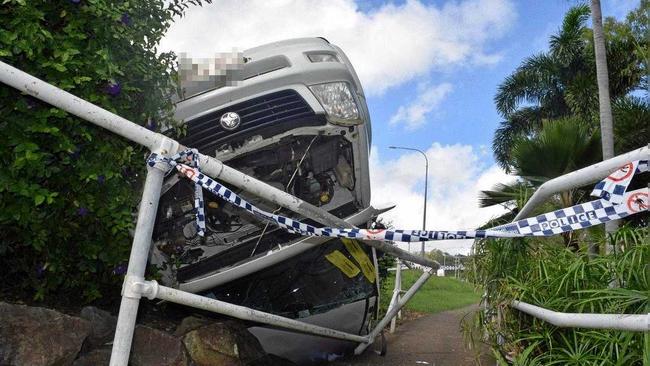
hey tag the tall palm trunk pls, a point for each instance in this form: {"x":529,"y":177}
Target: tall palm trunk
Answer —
{"x":606,"y":120}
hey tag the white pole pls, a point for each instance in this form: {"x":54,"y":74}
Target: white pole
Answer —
{"x":580,"y":178}
{"x":630,"y":322}
{"x":398,"y":283}
{"x":396,"y":293}
{"x":391,"y":314}
{"x":137,"y":266}
{"x":152,"y":290}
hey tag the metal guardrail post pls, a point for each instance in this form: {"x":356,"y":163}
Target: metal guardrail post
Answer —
{"x":629,"y":322}
{"x":152,"y":290}
{"x":136,"y":267}
{"x":391,"y":314}
{"x":580,"y":178}
{"x":396,"y":292}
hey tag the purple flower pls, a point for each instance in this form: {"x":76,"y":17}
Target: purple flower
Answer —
{"x":179,"y":249}
{"x":31,"y":103}
{"x":125,"y":19}
{"x":151,"y":125}
{"x":40,"y":270}
{"x":101,"y":179}
{"x":119,"y":270}
{"x":75,"y":1}
{"x":113,"y":89}
{"x":82,"y":211}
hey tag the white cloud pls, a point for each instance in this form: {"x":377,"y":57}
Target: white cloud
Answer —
{"x":388,"y":46}
{"x":456,"y":176}
{"x":429,"y":98}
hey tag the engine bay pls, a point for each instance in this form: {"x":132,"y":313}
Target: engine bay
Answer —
{"x":316,"y":168}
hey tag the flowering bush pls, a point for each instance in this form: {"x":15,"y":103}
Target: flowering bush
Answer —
{"x":68,"y":190}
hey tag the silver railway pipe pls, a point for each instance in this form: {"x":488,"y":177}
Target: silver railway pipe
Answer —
{"x":210,"y":166}
{"x":393,"y":311}
{"x":579,"y":178}
{"x":152,"y":290}
{"x":629,"y":322}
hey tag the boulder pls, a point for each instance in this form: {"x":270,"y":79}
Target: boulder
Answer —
{"x":102,"y":326}
{"x":37,"y":336}
{"x":97,"y":357}
{"x":223,"y":344}
{"x":190,"y":323}
{"x":152,"y":347}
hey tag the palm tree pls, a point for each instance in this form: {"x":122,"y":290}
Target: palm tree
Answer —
{"x":605,"y":106}
{"x":558,"y":148}
{"x":562,"y":82}
{"x":604,"y":102}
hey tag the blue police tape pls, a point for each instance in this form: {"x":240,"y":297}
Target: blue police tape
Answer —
{"x":615,"y":203}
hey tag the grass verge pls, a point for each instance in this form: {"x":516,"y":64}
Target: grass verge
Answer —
{"x":438,"y":293}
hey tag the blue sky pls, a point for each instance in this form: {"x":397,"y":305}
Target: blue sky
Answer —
{"x":467,"y":115}
{"x":430,"y":70}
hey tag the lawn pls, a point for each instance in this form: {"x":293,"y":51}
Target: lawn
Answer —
{"x":438,"y":293}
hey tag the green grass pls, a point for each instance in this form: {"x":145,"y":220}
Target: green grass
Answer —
{"x":438,"y":293}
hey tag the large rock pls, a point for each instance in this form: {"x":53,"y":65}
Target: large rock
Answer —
{"x":97,"y":357}
{"x":223,"y":344}
{"x":102,"y":326}
{"x":152,"y":347}
{"x":190,"y":323}
{"x":37,"y":336}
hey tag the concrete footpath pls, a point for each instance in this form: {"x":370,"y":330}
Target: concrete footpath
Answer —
{"x":434,"y":339}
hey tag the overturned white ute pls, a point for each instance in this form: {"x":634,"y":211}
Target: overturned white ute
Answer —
{"x":292,"y":114}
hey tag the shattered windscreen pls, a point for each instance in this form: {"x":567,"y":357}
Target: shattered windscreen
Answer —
{"x":301,"y":286}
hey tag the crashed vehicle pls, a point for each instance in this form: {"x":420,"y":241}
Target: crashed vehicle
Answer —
{"x":295,"y":118}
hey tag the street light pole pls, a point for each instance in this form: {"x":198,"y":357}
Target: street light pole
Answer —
{"x":426,"y":185}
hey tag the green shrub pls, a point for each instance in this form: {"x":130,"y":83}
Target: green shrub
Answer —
{"x":543,"y":272}
{"x":68,"y":190}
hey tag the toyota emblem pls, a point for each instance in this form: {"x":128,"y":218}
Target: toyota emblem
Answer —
{"x":230,"y":120}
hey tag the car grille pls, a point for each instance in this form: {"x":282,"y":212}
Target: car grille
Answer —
{"x":266,"y":115}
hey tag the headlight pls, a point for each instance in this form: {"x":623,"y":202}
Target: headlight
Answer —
{"x":338,"y":102}
{"x":322,"y":57}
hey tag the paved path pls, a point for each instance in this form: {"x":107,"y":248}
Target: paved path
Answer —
{"x":434,"y":339}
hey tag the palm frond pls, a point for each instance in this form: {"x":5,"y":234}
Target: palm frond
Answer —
{"x":532,"y":82}
{"x":523,"y":122}
{"x":505,"y":194}
{"x":560,"y":147}
{"x":632,"y":123}
{"x":569,"y":42}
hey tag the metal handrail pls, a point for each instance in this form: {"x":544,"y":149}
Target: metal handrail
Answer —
{"x":629,"y":322}
{"x":580,"y":178}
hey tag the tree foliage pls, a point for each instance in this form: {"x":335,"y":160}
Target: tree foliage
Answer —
{"x":550,"y":127}
{"x":542,"y":272}
{"x":550,"y":107}
{"x":561,"y":82}
{"x":68,"y":190}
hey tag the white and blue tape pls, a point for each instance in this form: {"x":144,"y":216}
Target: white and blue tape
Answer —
{"x":614,"y":203}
